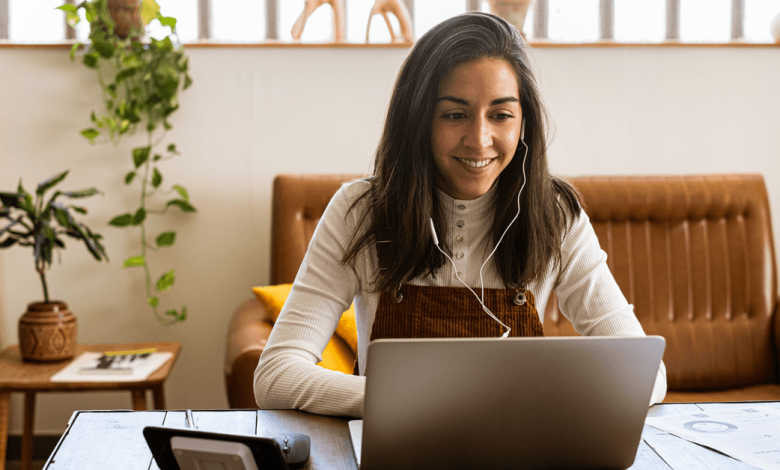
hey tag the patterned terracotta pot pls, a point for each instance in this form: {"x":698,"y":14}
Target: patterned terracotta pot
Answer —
{"x":126,"y":14}
{"x":47,"y":332}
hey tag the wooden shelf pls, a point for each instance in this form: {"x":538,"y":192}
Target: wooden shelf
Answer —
{"x":535,"y":44}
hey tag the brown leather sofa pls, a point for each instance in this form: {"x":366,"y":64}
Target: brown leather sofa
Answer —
{"x":693,"y":254}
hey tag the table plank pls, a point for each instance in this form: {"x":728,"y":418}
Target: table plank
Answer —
{"x":330,"y":444}
{"x":231,"y":422}
{"x":173,"y":419}
{"x":101,"y":440}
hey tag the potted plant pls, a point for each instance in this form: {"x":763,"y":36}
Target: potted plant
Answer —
{"x":47,"y":331}
{"x":140,"y":81}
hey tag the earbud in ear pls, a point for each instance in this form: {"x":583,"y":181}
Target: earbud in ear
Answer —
{"x":433,"y":232}
{"x":522,"y":130}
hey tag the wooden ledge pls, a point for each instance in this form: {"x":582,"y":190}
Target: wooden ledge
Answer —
{"x":328,"y":45}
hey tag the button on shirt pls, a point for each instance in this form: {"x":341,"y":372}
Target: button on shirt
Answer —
{"x":468,"y":236}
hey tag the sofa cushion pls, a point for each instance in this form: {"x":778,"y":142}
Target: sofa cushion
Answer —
{"x":339,"y":354}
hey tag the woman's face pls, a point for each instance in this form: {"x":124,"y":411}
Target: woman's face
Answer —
{"x":476,"y":126}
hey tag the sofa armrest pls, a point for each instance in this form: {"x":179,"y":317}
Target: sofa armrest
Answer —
{"x":249,"y":330}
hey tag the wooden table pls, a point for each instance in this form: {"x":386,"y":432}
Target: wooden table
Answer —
{"x":30,"y":378}
{"x":114,"y":439}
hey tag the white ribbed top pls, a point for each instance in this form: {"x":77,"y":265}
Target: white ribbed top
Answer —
{"x":287,"y":376}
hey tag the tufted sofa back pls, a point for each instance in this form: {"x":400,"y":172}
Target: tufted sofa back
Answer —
{"x":693,"y":254}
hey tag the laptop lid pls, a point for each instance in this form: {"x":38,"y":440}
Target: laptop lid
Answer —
{"x":577,"y":402}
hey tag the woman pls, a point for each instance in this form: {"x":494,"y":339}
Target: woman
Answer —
{"x":460,"y":232}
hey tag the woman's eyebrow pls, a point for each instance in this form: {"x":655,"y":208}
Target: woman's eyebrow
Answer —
{"x":506,"y":99}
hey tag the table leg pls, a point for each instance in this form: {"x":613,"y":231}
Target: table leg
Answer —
{"x":139,"y":399}
{"x":5,"y":399}
{"x":27,"y":437}
{"x":159,"y":397}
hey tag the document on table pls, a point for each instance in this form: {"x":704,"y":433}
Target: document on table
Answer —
{"x":71,"y":373}
{"x":750,"y":433}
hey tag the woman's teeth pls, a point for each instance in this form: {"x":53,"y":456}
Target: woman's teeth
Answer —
{"x":474,"y":163}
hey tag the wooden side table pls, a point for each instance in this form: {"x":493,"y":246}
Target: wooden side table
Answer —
{"x":30,"y":378}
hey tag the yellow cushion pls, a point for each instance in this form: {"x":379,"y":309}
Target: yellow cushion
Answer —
{"x":336,"y":355}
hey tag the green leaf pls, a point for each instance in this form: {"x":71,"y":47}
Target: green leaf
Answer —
{"x":157,"y":157}
{"x":91,"y":134}
{"x":129,"y":177}
{"x":183,"y":205}
{"x":73,"y":50}
{"x":7,"y":242}
{"x":153,"y":301}
{"x":61,"y":215}
{"x":183,"y":315}
{"x":132,"y":61}
{"x":81,"y":193}
{"x":10,"y":199}
{"x":68,"y":8}
{"x":105,"y":48}
{"x":91,"y":60}
{"x":121,"y":220}
{"x":112,"y":90}
{"x":167,"y":21}
{"x":156,"y":178}
{"x":126,"y":73}
{"x":134,"y":262}
{"x":183,"y":192}
{"x":172,"y":149}
{"x":167,"y":125}
{"x":50,"y":183}
{"x":166,"y":239}
{"x":172,"y":313}
{"x":149,"y":11}
{"x":166,"y":281}
{"x":187,"y":82}
{"x":141,"y":155}
{"x":79,"y":209}
{"x":139,"y":217}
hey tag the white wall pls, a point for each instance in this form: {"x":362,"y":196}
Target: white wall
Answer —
{"x":254,"y":113}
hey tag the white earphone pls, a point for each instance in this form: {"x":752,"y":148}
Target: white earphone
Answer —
{"x":481,"y":282}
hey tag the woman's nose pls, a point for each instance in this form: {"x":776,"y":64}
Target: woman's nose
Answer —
{"x":478,"y":134}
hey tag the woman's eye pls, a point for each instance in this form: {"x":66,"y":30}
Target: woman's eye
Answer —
{"x":454,"y":116}
{"x":502,"y":116}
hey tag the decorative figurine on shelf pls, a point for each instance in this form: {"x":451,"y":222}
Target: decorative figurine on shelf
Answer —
{"x":514,"y":11}
{"x":308,"y":9}
{"x":397,"y":8}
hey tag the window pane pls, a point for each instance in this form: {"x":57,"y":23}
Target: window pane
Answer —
{"x":36,"y":21}
{"x":429,"y":13}
{"x":357,"y":23}
{"x":238,"y":20}
{"x":319,"y":26}
{"x":640,"y":21}
{"x":186,"y":14}
{"x":758,"y":18}
{"x":573,"y":20}
{"x":705,"y":20}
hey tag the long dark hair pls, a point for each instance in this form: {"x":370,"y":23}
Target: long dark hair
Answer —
{"x":403,"y":193}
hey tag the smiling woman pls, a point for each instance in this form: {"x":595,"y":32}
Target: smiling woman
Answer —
{"x":461,"y":201}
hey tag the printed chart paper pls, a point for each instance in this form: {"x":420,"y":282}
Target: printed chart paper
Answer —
{"x":749,"y":433}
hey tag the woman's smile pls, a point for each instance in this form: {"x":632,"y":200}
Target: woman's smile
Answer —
{"x":481,"y":163}
{"x":476,"y":126}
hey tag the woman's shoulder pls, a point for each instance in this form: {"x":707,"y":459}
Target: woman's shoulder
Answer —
{"x":351,"y":198}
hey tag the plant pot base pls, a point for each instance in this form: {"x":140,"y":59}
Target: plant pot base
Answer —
{"x":47,"y":332}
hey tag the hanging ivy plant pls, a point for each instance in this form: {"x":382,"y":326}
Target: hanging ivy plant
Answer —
{"x":140,"y":81}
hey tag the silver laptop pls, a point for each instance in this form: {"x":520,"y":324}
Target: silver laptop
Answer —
{"x":513,"y":403}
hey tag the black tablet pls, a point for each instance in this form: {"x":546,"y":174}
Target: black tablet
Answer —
{"x":266,"y":452}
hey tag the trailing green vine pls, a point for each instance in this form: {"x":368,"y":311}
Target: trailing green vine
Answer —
{"x":140,"y":83}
